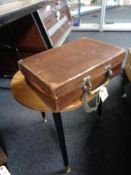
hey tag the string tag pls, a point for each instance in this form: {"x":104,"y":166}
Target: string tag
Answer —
{"x":103,"y":94}
{"x":4,"y":171}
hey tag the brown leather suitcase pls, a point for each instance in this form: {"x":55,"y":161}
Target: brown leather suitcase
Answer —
{"x":60,"y":73}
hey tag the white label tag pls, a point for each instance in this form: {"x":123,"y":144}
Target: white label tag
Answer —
{"x":103,"y":94}
{"x":4,"y":171}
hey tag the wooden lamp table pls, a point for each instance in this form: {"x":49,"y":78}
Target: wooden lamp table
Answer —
{"x":30,"y":97}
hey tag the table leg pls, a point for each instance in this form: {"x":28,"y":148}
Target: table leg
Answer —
{"x":99,"y":110}
{"x":61,"y":138}
{"x":125,"y":81}
{"x":44,"y":117}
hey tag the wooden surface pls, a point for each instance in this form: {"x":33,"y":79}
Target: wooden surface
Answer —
{"x":29,"y":97}
{"x":27,"y":37}
{"x":3,"y":157}
{"x":16,"y":9}
{"x":56,"y":29}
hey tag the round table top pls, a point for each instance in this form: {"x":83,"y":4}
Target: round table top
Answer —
{"x":29,"y":96}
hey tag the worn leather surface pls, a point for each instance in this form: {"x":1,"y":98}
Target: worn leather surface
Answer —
{"x":60,"y":71}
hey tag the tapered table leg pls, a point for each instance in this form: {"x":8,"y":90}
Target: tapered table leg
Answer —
{"x":125,"y":81}
{"x":61,"y":137}
{"x":44,"y":117}
{"x":99,"y":110}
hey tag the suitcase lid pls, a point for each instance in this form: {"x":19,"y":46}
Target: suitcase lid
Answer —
{"x":57,"y":68}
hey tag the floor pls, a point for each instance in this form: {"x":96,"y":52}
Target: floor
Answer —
{"x":94,"y":147}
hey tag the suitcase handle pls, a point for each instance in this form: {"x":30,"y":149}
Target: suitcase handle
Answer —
{"x":88,"y":92}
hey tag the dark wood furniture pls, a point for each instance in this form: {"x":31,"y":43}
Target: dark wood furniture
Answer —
{"x":31,"y":26}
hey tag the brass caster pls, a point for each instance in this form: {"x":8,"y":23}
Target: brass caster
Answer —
{"x":67,"y":169}
{"x":45,"y":120}
{"x":124,"y":95}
